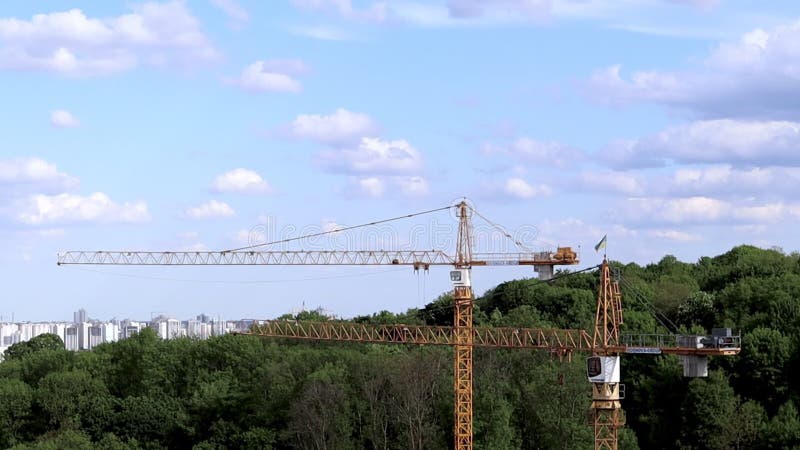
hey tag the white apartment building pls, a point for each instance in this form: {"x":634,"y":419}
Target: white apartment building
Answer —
{"x":167,"y":328}
{"x":88,"y":333}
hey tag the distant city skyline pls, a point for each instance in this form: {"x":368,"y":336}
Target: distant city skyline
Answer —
{"x":85,"y":333}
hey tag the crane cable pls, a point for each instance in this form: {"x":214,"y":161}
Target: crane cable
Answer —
{"x":338,"y":230}
{"x":501,"y":230}
{"x":535,"y":283}
{"x":669,"y":326}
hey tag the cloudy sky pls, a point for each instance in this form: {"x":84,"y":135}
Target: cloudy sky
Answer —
{"x":672,"y":126}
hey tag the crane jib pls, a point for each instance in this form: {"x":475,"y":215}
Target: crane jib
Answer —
{"x":417,"y":258}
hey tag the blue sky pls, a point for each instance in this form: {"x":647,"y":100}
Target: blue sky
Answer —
{"x":672,"y":126}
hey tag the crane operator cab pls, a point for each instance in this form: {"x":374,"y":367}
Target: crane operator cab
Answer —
{"x":603,"y":369}
{"x":460,"y":278}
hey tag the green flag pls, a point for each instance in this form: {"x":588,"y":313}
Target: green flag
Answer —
{"x":601,"y":244}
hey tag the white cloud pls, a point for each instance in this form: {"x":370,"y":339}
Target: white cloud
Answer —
{"x":289,"y":66}
{"x":729,"y":141}
{"x":43,"y":209}
{"x":324,"y":33}
{"x":674,"y":235}
{"x":758,"y":77}
{"x":195,"y":247}
{"x":209,"y":210}
{"x":519,"y":188}
{"x":373,"y":156}
{"x":188,"y":235}
{"x":62,"y":118}
{"x":33,"y":174}
{"x":615,"y":182}
{"x":45,"y":233}
{"x":380,"y":186}
{"x":242,"y":181}
{"x":253,"y":236}
{"x":578,"y":233}
{"x":233,"y":10}
{"x":375,"y":12}
{"x":681,"y":210}
{"x":376,"y":166}
{"x":703,"y":4}
{"x":679,"y":30}
{"x":548,"y":153}
{"x":532,"y":9}
{"x":481,"y":13}
{"x":266,"y":76}
{"x":372,"y":187}
{"x":189,"y":241}
{"x":724,"y":179}
{"x":341,"y":127}
{"x":330,"y":225}
{"x":718,"y":181}
{"x":460,"y":14}
{"x":489,"y":13}
{"x":702,"y":210}
{"x":412,"y":186}
{"x":70,"y":43}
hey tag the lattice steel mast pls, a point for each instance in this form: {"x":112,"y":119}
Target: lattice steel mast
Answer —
{"x":462,"y":328}
{"x":606,"y":416}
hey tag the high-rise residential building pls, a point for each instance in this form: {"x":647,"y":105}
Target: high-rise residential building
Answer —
{"x":110,"y":332}
{"x":71,"y":340}
{"x":198,"y":329}
{"x":79,"y":316}
{"x":9,"y":335}
{"x":94,"y":336}
{"x":128,"y":328}
{"x":167,"y":328}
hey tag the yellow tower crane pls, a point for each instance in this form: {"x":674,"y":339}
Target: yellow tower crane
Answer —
{"x":462,"y":262}
{"x":605,"y":344}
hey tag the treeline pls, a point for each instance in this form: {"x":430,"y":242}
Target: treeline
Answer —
{"x":251,"y":393}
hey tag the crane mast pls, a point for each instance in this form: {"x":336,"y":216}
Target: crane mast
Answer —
{"x":603,"y":368}
{"x":462,"y":328}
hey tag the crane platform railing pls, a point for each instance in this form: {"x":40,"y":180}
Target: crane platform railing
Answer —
{"x":681,"y":344}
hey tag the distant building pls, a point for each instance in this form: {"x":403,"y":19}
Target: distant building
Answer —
{"x":94,"y":336}
{"x":167,"y":328}
{"x":79,"y":316}
{"x":9,"y":335}
{"x":71,"y":340}
{"x":86,"y":334}
{"x":110,"y":332}
{"x":197,"y":329}
{"x":128,"y":328}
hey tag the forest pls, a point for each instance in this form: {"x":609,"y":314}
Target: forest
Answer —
{"x":252,"y":393}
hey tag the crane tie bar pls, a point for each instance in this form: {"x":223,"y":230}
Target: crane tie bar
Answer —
{"x":337,"y":230}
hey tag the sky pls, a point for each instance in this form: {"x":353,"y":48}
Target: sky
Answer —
{"x":671,"y":126}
